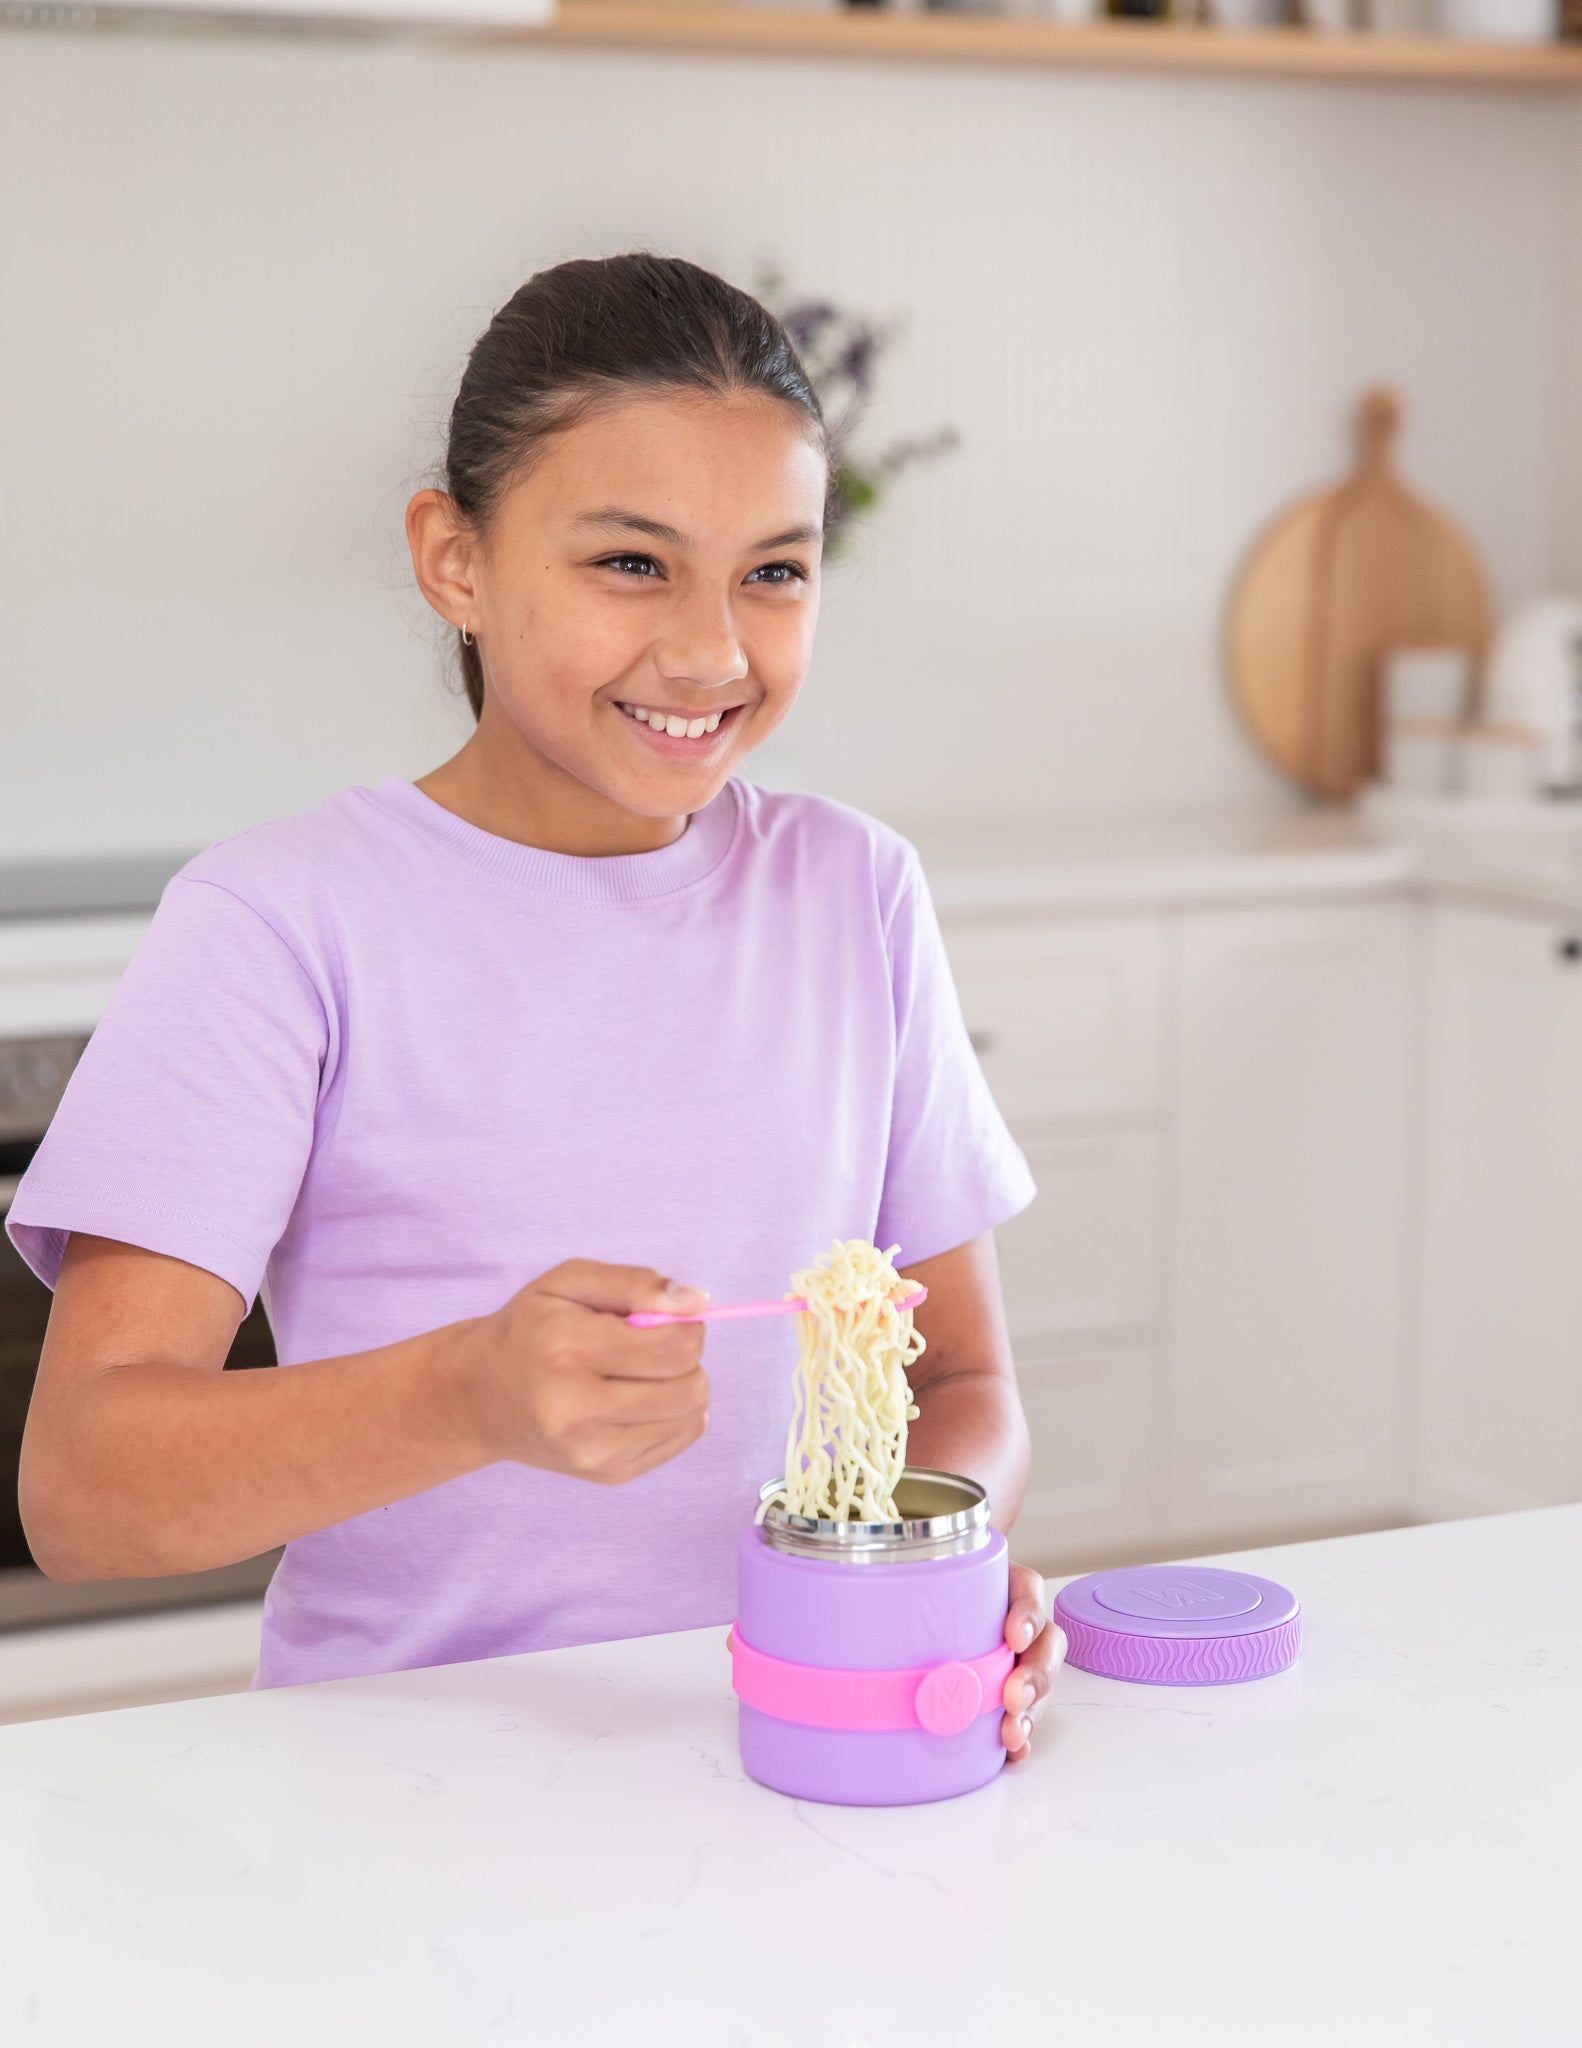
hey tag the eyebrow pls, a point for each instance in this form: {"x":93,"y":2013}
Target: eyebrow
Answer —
{"x":794,"y":536}
{"x":634,"y":522}
{"x":655,"y":529}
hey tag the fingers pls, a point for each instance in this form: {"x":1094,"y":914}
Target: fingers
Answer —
{"x":558,"y":1381}
{"x":590,"y":1422}
{"x":626,"y":1454}
{"x":1029,"y":1608}
{"x":1041,"y":1647}
{"x":622,"y":1353}
{"x":659,"y":1450}
{"x":628,"y":1403}
{"x":1025,"y":1691}
{"x":620,"y":1290}
{"x":1029,"y":1682}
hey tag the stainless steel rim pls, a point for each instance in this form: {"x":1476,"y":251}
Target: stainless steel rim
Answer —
{"x":949,"y":1515}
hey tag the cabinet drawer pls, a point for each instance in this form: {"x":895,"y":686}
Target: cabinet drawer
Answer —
{"x":1288,"y":1251}
{"x":1066,"y":1016}
{"x":1084,"y":1257}
{"x":1500,"y":1393}
{"x":1093,"y":1417}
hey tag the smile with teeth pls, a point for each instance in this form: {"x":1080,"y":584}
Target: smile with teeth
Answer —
{"x":671,"y":722}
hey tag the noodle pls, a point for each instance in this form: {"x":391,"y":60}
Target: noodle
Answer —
{"x":847,"y":1445}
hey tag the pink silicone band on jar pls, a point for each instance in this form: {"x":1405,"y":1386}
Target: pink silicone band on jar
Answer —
{"x":942,"y":1699}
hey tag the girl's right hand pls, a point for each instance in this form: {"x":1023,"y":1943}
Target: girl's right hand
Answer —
{"x":558,"y":1378}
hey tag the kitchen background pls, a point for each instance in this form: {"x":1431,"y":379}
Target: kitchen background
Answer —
{"x":238,"y":277}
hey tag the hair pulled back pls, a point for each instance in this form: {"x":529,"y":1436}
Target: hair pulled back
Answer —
{"x":590,"y":330}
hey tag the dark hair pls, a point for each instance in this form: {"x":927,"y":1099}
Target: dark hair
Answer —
{"x":588,"y":330}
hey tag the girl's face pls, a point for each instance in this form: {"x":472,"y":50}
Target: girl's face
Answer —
{"x":643,"y":599}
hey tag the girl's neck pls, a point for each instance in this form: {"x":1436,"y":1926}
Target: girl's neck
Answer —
{"x":516,"y":794}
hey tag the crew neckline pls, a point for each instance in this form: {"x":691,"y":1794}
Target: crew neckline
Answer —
{"x":575,"y":877}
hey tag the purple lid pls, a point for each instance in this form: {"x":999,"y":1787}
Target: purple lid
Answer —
{"x":1179,"y":1624}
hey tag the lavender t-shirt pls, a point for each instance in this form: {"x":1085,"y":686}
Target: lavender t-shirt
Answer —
{"x":386,"y":1067}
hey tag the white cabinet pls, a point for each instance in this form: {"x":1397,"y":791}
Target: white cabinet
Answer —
{"x":1282,"y":1154}
{"x":1308,"y":1245}
{"x":1066,"y":1015}
{"x":1500,"y":1352}
{"x":1084,"y":1259}
{"x":1094,"y":1419}
{"x":1069,"y":1017}
{"x":1287,"y":1296}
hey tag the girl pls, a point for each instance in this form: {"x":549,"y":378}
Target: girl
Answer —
{"x":580,"y":1003}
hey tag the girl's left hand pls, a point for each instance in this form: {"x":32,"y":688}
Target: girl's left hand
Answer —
{"x":1040,"y":1646}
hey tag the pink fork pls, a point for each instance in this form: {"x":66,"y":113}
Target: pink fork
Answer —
{"x":733,"y":1311}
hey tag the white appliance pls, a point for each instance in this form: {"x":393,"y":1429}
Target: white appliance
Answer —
{"x":67,"y":930}
{"x":1499,"y":21}
{"x":1534,"y":680}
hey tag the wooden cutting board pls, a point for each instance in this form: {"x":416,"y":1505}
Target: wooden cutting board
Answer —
{"x":1336,"y":582}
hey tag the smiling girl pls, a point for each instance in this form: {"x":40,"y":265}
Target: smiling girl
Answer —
{"x":580,"y":1004}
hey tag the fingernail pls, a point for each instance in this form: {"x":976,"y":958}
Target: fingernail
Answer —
{"x":1028,"y":1632}
{"x":687,"y":1297}
{"x":1025,"y":1723}
{"x":1029,"y":1692}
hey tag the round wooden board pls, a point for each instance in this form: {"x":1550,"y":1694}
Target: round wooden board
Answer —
{"x":1332,"y":585}
{"x":1270,"y":631}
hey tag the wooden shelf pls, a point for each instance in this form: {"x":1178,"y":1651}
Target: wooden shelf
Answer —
{"x":1020,"y":40}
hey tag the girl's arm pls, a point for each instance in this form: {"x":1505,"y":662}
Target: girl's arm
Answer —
{"x":142,"y":1457}
{"x":970,"y":1418}
{"x":971,"y":1422}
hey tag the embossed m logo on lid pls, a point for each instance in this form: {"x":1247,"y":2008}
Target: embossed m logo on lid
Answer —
{"x":1166,"y":1593}
{"x":1180,"y":1593}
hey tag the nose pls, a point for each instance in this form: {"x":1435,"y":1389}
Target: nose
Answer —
{"x":700,"y":646}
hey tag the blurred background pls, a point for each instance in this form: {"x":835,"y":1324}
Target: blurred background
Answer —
{"x":1257,"y":845}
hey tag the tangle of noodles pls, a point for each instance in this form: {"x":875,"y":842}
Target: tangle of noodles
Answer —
{"x":847,"y":1445}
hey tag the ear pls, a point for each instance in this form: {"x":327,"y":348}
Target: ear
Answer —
{"x":442,"y":550}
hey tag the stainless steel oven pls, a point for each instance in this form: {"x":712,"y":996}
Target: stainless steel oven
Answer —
{"x":33,"y":1074}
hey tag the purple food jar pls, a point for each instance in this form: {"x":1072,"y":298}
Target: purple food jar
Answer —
{"x":869,"y":1658}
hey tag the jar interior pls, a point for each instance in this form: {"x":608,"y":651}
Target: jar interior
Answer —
{"x":937,"y":1514}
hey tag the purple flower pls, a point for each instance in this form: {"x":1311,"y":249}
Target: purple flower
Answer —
{"x":841,"y":353}
{"x":807,"y":320}
{"x":858,"y":358}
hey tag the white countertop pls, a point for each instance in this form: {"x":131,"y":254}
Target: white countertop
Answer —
{"x":57,"y":970}
{"x":1525,"y":856}
{"x":1380,"y":1846}
{"x":1153,"y":860}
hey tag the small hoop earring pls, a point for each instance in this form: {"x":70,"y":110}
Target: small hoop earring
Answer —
{"x":467,"y":639}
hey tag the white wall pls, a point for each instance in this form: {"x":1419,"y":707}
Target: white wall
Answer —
{"x":238,"y":277}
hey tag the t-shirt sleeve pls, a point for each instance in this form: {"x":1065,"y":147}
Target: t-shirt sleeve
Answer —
{"x":954,"y":1170}
{"x":187,"y":1125}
